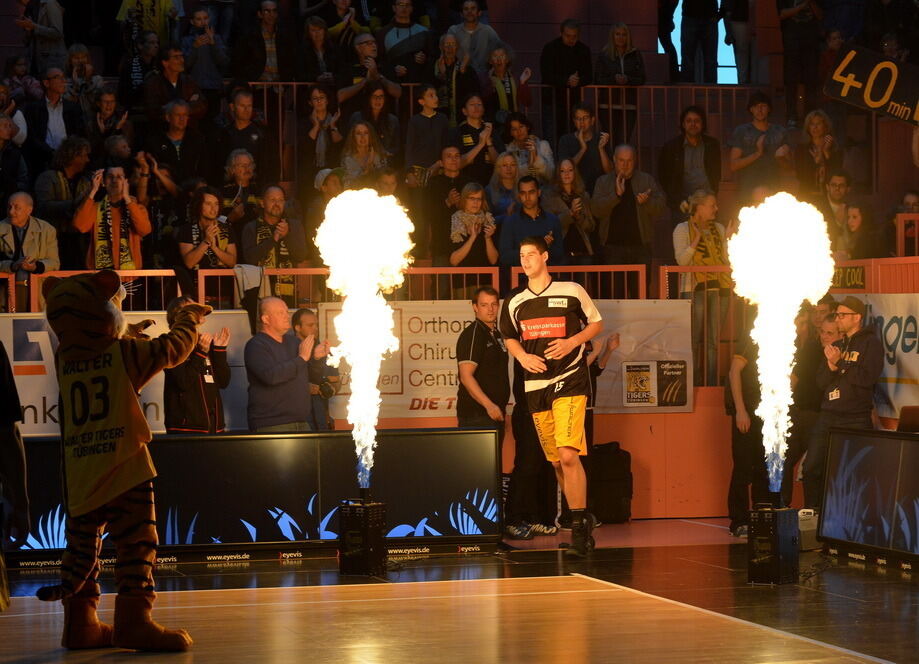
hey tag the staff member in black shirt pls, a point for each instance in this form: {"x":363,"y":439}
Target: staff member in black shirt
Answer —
{"x":482,"y":358}
{"x":846,"y":379}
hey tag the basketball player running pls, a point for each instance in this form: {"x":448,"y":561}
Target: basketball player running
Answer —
{"x":546,"y":325}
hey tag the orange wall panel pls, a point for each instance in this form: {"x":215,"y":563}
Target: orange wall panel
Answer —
{"x":681,"y":462}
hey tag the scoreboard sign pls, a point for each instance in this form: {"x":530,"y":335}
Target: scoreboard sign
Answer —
{"x":866,"y":79}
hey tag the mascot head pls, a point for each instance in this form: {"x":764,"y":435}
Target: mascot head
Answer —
{"x":84,"y":311}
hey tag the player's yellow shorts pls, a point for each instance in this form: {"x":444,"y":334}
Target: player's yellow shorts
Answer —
{"x":563,"y":426}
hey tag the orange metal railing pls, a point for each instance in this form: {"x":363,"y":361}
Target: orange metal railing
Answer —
{"x":150,"y":290}
{"x":9,"y":290}
{"x":600,"y":281}
{"x":907,"y":234}
{"x":421,"y":283}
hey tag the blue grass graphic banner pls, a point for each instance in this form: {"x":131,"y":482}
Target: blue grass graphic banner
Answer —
{"x":246,"y":489}
{"x":872,"y":490}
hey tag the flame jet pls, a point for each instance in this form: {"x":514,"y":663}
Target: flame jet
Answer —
{"x":365,"y":242}
{"x":780,"y":256}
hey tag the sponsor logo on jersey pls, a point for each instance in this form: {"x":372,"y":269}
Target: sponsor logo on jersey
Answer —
{"x":541,"y":328}
{"x":555,"y":302}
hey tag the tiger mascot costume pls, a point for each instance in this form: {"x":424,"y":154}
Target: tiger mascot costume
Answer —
{"x":107,"y":468}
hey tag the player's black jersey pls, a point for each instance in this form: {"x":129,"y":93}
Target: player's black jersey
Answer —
{"x":535,"y":319}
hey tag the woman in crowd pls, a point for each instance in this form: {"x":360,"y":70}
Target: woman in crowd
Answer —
{"x":106,"y":119}
{"x":83,"y":85}
{"x":502,"y":92}
{"x":861,"y":239}
{"x":320,"y":138}
{"x":239,"y":198}
{"x":362,"y":154}
{"x":818,"y":155}
{"x":207,"y":242}
{"x":472,"y":230}
{"x":701,"y":241}
{"x":376,"y":114}
{"x":502,"y":189}
{"x":534,"y":156}
{"x":455,"y":79}
{"x":570,"y":202}
{"x":620,"y":63}
{"x":191,"y":391}
{"x":23,"y":87}
{"x":320,"y":58}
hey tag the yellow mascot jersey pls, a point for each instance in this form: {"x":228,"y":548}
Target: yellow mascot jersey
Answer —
{"x":104,"y":431}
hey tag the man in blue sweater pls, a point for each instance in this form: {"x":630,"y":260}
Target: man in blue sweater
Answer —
{"x":530,"y":220}
{"x":280,"y":368}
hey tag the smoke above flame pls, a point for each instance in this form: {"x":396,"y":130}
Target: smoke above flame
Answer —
{"x":780,"y":256}
{"x":365,"y":242}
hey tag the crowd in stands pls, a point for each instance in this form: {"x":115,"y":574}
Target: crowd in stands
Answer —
{"x":193,"y":158}
{"x":192,"y":152}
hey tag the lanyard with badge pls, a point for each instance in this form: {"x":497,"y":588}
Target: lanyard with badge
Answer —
{"x":834,"y":394}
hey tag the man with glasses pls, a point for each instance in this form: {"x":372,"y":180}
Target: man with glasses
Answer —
{"x":587,"y":147}
{"x":169,"y":84}
{"x":354,"y":75}
{"x":835,"y":204}
{"x":49,"y":122}
{"x":846,"y":379}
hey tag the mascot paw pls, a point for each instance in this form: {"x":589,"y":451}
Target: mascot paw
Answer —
{"x":136,"y":630}
{"x":200,"y":310}
{"x":137,"y":330}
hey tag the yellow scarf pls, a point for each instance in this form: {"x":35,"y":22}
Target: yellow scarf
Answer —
{"x":709,"y":251}
{"x":508,"y":106}
{"x":107,"y":235}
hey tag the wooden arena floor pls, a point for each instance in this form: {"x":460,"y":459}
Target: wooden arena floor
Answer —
{"x":551,"y":619}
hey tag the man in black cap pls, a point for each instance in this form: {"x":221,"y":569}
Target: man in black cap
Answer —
{"x":846,"y":379}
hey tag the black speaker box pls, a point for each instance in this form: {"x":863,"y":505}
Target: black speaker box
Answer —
{"x":772,"y":545}
{"x":361,"y":538}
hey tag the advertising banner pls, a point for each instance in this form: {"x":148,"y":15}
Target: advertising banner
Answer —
{"x":896,"y":319}
{"x":418,"y":380}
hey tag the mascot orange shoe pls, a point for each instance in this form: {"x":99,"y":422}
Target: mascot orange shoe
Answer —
{"x":108,"y":471}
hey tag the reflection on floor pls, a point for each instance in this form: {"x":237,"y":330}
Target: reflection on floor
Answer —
{"x":491,"y":620}
{"x":864,"y":610}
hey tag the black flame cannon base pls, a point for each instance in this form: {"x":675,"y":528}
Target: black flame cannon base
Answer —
{"x":362,"y":537}
{"x":772,"y":545}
